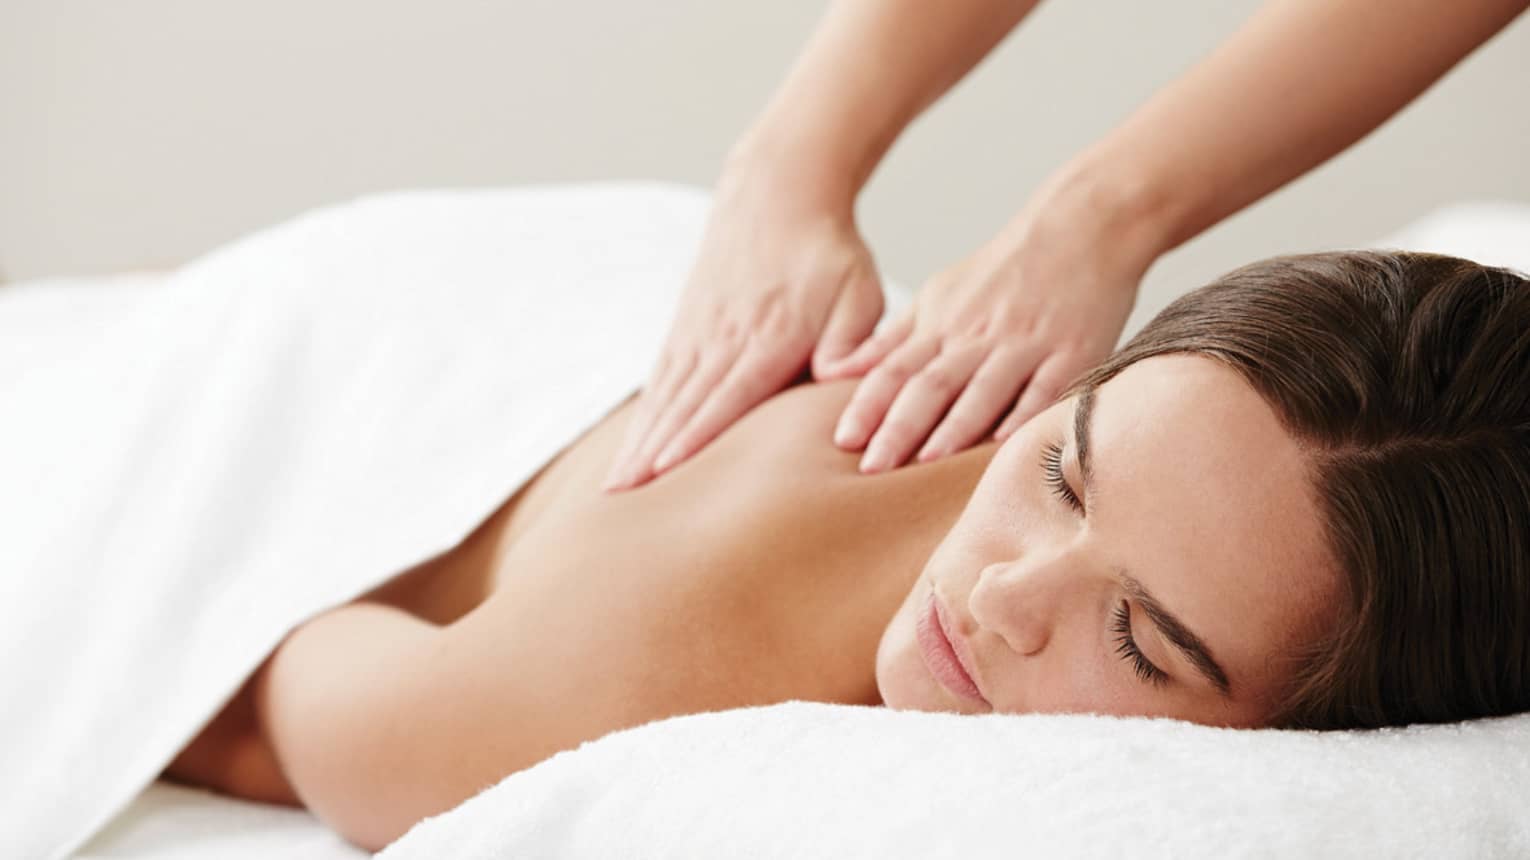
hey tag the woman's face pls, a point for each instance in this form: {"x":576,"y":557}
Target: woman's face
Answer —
{"x":1192,"y":563}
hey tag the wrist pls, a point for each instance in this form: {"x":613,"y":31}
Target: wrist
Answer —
{"x":1120,"y":216}
{"x":788,"y":174}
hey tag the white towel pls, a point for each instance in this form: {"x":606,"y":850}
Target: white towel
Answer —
{"x":806,"y":781}
{"x":279,"y":427}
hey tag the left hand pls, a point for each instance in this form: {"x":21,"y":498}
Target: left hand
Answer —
{"x":1007,"y":328}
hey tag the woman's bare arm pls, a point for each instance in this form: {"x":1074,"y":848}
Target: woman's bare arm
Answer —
{"x":341,"y":705}
{"x":869,"y":69}
{"x":1297,"y":84}
{"x":380,"y":719}
{"x":1047,"y":297}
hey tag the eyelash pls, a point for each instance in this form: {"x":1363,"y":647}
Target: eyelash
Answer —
{"x":1051,"y":466}
{"x":1126,"y":646}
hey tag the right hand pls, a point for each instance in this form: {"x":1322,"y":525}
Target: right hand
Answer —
{"x":997,"y":336}
{"x":781,"y":279}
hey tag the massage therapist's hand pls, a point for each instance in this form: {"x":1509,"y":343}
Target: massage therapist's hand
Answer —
{"x":782,"y":278}
{"x":999,"y":335}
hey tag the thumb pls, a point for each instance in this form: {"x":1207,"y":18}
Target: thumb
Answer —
{"x":852,"y":319}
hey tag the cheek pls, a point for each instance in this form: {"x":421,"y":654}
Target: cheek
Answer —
{"x":1012,"y":500}
{"x":1073,"y":674}
{"x":1094,"y":683}
{"x":902,"y":680}
{"x":993,"y":527}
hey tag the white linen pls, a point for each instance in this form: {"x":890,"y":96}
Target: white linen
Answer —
{"x":275,"y":429}
{"x":173,"y":822}
{"x":807,"y":780}
{"x":165,"y":821}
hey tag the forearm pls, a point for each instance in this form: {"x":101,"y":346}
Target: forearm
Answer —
{"x":869,"y":69}
{"x":1300,"y":82}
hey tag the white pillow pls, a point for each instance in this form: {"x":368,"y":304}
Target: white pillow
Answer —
{"x":807,"y":780}
{"x":1494,"y":233}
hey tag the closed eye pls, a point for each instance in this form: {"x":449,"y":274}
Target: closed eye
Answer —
{"x":1052,"y":472}
{"x":1126,"y":647}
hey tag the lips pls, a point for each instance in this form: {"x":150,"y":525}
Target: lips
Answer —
{"x":940,"y":655}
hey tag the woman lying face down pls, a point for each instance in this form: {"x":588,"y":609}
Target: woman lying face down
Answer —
{"x":1291,"y":500}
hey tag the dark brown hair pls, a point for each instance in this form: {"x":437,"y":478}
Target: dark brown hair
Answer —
{"x":1407,"y":378}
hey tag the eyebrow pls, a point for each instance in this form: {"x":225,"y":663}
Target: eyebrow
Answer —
{"x":1171,"y":627}
{"x":1083,"y":415}
{"x":1179,"y":635}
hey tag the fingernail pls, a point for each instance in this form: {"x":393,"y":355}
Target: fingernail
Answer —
{"x":666,"y":458}
{"x":845,"y":433}
{"x":927,"y":454}
{"x":874,"y":461}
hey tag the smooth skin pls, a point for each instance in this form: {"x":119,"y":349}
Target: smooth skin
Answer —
{"x":1196,"y":502}
{"x":784,"y":281}
{"x":767,"y":569}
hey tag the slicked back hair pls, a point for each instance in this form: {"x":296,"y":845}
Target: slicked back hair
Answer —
{"x":1407,"y":379}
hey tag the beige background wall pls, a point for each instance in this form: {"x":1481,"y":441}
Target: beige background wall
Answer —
{"x":140,"y":134}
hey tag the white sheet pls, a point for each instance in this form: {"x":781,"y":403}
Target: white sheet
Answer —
{"x":165,"y":821}
{"x":173,"y":822}
{"x":275,"y":429}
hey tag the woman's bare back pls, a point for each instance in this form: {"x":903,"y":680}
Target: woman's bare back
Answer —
{"x":763,"y":570}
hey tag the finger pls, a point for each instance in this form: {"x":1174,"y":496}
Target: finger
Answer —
{"x":875,"y":394}
{"x":851,"y":321}
{"x":762,"y":370}
{"x":1051,"y":377}
{"x":992,"y":388}
{"x":872,"y":351}
{"x":918,"y":407}
{"x":668,"y":374}
{"x":709,"y":371}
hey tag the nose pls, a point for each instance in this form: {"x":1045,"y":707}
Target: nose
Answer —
{"x":1021,"y":600}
